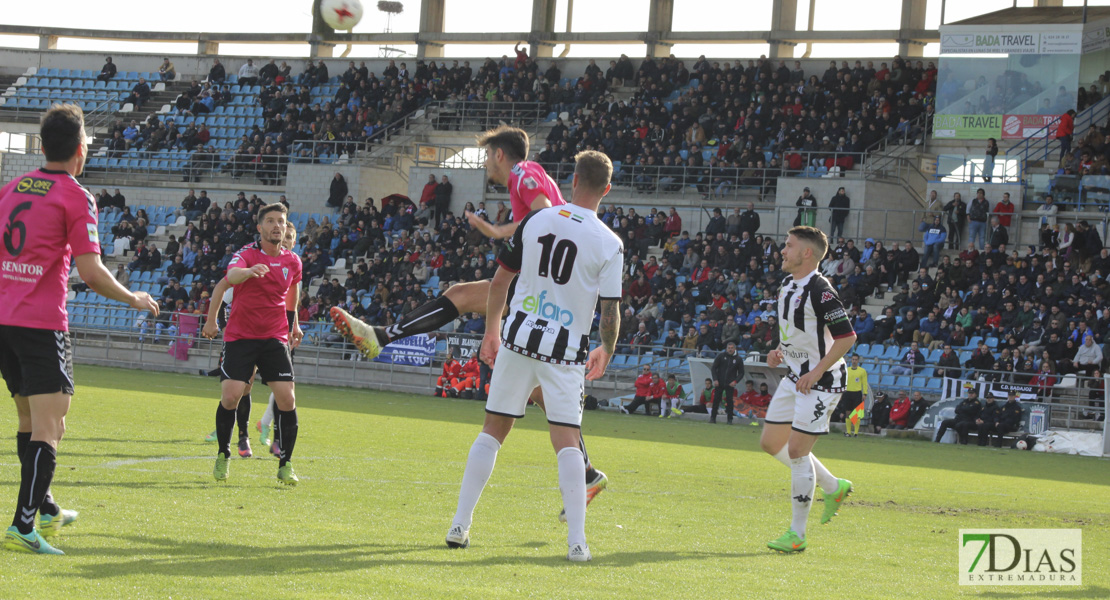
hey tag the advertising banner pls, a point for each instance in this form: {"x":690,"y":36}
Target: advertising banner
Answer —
{"x":967,"y":127}
{"x":464,"y":346}
{"x":955,"y":40}
{"x":1019,"y":127}
{"x":417,"y":350}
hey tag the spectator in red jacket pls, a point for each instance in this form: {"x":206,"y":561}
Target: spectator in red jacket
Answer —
{"x":450,"y":376}
{"x":1064,"y":128}
{"x":1004,"y":209}
{"x":643,"y":393}
{"x":427,"y":198}
{"x":900,"y":412}
{"x":701,"y":273}
{"x":673,"y":226}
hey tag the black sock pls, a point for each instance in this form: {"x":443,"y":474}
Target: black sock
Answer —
{"x":591,"y":472}
{"x":38,"y":472}
{"x":48,"y":506}
{"x":427,"y":318}
{"x":225,"y":422}
{"x":243,"y":416}
{"x":285,"y":426}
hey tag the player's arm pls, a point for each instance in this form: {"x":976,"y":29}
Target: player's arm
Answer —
{"x":96,"y":276}
{"x":211,"y":325}
{"x":495,"y":307}
{"x":237,"y":275}
{"x":500,"y":232}
{"x":292,"y":298}
{"x":830,"y":313}
{"x":608,"y":328}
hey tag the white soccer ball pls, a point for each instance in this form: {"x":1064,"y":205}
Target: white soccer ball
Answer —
{"x":341,"y":15}
{"x":1021,"y":445}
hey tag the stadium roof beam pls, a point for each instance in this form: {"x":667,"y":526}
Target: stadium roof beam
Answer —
{"x":784,"y":19}
{"x":208,"y":43}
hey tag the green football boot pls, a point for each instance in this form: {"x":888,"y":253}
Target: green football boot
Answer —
{"x":50,"y":526}
{"x":32,"y":543}
{"x":286,"y":475}
{"x":222,"y":467}
{"x":210,"y":437}
{"x":788,"y":542}
{"x":835,"y":499}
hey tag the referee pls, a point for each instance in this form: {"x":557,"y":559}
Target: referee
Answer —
{"x":854,"y":391}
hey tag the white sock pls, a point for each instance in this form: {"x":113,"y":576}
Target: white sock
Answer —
{"x":783,"y":456}
{"x":479,"y":466}
{"x":268,"y":416}
{"x":825,"y":479}
{"x":801,"y":492}
{"x":674,"y":403}
{"x":572,"y":478}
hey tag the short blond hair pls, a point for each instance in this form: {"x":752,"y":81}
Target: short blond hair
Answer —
{"x":594,"y":169}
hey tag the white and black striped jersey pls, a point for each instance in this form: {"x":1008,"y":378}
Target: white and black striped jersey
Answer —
{"x":810,"y":318}
{"x":565,"y":258}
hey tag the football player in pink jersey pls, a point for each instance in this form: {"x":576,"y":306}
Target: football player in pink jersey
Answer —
{"x":530,"y":189}
{"x":50,"y":219}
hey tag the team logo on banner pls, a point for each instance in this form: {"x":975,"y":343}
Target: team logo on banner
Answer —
{"x":1038,"y":419}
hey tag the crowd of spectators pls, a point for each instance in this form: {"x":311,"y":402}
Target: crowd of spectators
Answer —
{"x":739,"y":125}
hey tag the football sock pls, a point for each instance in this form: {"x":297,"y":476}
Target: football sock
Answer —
{"x":591,"y":472}
{"x":48,"y":506}
{"x":825,"y":479}
{"x":571,"y":474}
{"x":479,"y":466}
{"x":37,"y":473}
{"x":783,"y":456}
{"x":286,"y":429}
{"x":243,"y":416}
{"x":225,"y":422}
{"x":427,"y":318}
{"x":801,"y":492}
{"x":268,"y":416}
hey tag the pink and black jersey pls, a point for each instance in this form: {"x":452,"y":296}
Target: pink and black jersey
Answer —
{"x":258,"y":312}
{"x":526,"y":181}
{"x":46,"y":218}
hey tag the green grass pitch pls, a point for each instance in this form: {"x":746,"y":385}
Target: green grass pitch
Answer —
{"x":686,"y":515}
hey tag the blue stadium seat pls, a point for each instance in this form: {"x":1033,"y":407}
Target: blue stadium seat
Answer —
{"x":893,"y":353}
{"x":903,"y":382}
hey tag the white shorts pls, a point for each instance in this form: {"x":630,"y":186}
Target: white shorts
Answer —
{"x":515,"y":376}
{"x":807,"y":413}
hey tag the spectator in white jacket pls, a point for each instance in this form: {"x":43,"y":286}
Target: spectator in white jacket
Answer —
{"x":1088,"y":358}
{"x":1046,"y":214}
{"x":248,"y":73}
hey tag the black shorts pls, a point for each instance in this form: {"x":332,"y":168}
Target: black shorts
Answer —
{"x":271,"y":357}
{"x":36,"y":361}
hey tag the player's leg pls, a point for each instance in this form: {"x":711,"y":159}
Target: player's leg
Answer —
{"x":510,"y":384}
{"x":243,"y":421}
{"x":38,"y":463}
{"x":275,"y":365}
{"x":564,"y":385}
{"x":264,"y":423}
{"x":458,"y":299}
{"x":595,"y":479}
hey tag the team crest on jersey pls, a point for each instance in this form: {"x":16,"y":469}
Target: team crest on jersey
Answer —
{"x":285,"y":272}
{"x":827,"y":297}
{"x":530,"y":183}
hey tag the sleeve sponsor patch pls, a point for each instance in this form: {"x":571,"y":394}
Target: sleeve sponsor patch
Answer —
{"x":94,"y":235}
{"x":530,"y":183}
{"x":827,"y":297}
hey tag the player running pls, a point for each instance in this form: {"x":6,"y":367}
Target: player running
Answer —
{"x":267,"y":279}
{"x":814,"y":336}
{"x":49,"y":219}
{"x":530,"y":189}
{"x":565,"y":256}
{"x":226,"y":293}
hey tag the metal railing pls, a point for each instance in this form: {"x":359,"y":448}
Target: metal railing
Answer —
{"x":1038,"y":146}
{"x":460,"y":115}
{"x":968,"y":168}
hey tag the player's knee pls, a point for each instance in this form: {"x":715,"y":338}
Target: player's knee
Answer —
{"x":770,"y":446}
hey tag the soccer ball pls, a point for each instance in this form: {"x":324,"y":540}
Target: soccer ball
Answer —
{"x":1021,"y":445}
{"x":342,"y":15}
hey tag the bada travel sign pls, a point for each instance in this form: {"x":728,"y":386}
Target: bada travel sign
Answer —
{"x":967,"y":127}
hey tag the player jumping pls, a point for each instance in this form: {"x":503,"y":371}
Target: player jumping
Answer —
{"x":530,"y":189}
{"x":566,"y":255}
{"x":267,"y":279}
{"x":49,"y":219}
{"x":814,"y":336}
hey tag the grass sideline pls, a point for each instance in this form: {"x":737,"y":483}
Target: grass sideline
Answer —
{"x":689,"y":508}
